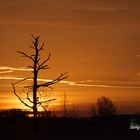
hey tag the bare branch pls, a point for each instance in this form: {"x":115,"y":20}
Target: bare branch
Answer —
{"x":42,"y":47}
{"x":33,"y":55}
{"x":43,"y":107}
{"x":35,"y":38}
{"x":31,"y":67}
{"x":43,"y":67}
{"x":35,"y":42}
{"x":31,"y":47}
{"x":39,"y":59}
{"x":44,"y":62}
{"x":29,"y":87}
{"x":22,"y":80}
{"x":20,"y":98}
{"x":29,"y":97}
{"x":25,"y":55}
{"x":32,"y":36}
{"x":40,"y":103}
{"x":60,"y":78}
{"x":50,"y":100}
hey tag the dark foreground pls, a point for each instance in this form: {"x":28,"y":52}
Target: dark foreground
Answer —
{"x":68,"y":129}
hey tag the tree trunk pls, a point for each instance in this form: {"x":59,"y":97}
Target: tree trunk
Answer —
{"x":35,"y":96}
{"x":35,"y":111}
{"x":35,"y":104}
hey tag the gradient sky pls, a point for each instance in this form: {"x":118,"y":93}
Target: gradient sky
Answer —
{"x":96,"y":42}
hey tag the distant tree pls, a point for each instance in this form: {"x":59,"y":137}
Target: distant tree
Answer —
{"x":64,"y":105}
{"x":103,"y":107}
{"x":36,"y":66}
{"x":68,"y":110}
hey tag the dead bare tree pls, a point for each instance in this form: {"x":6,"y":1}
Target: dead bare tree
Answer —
{"x":37,"y":66}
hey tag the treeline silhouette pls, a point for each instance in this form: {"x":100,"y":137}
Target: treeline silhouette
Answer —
{"x":13,"y":113}
{"x":20,"y":114}
{"x":97,"y":127}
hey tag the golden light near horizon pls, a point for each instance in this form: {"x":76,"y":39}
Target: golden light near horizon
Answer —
{"x":96,"y":42}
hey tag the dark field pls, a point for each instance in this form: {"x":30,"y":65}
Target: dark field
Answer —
{"x":68,"y":129}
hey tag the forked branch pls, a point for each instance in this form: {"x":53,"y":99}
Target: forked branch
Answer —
{"x":26,"y":55}
{"x":43,"y":64}
{"x":20,"y":97}
{"x":28,"y":97}
{"x":60,"y":78}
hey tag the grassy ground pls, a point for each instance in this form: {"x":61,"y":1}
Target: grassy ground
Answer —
{"x":68,"y":129}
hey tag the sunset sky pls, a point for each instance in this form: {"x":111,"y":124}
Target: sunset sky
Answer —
{"x":96,"y":41}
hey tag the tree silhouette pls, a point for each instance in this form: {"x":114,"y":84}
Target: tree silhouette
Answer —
{"x":37,"y":66}
{"x":103,"y":107}
{"x":64,"y":105}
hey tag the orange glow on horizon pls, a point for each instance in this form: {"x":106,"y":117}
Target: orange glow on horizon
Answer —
{"x":96,"y":42}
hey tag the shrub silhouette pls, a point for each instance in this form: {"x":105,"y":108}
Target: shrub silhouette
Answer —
{"x":103,"y":107}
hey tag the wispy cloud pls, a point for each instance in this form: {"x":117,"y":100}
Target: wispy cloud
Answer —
{"x":138,"y":55}
{"x":91,"y":5}
{"x":12,"y":69}
{"x":61,"y":24}
{"x":108,"y":86}
{"x":82,"y":84}
{"x":40,"y":80}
